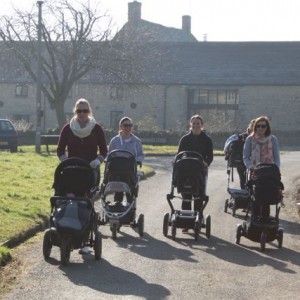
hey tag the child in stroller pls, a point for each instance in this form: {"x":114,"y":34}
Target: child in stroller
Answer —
{"x":73,"y":220}
{"x":189,"y":178}
{"x":266,"y":190}
{"x":120,"y":177}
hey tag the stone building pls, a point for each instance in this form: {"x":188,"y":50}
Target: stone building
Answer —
{"x":225,"y":82}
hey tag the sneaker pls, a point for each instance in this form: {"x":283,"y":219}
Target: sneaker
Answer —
{"x":185,"y":230}
{"x":84,"y":250}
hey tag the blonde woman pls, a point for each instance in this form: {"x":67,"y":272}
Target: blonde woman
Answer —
{"x":83,"y":138}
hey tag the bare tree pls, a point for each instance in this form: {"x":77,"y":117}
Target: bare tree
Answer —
{"x":75,"y":40}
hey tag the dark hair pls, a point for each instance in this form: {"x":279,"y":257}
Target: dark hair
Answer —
{"x":264,"y":119}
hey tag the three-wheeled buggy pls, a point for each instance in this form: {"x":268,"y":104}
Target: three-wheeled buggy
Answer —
{"x":266,"y":192}
{"x":73,"y":220}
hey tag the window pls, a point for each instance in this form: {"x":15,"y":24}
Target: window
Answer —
{"x":213,"y":97}
{"x":21,"y":90}
{"x":218,"y":104}
{"x":115,"y":117}
{"x":116,"y":92}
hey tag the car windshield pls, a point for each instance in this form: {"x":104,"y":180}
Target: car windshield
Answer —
{"x":6,"y":126}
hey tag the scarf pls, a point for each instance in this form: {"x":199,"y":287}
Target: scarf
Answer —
{"x":262,"y":150}
{"x":79,"y":131}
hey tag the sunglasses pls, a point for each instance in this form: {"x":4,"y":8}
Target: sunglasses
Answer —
{"x":127,"y":125}
{"x":261,"y":126}
{"x":79,"y":111}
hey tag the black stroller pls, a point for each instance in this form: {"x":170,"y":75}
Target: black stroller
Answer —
{"x":189,"y":178}
{"x":266,"y":191}
{"x":73,"y":220}
{"x":121,"y":178}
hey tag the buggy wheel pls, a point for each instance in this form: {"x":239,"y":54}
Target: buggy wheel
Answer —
{"x":98,"y":245}
{"x":263,"y":240}
{"x":113,"y":229}
{"x":238,"y":234}
{"x":166,"y":224}
{"x":233,"y":209}
{"x":226,"y":205}
{"x":280,"y":237}
{"x":65,"y":251}
{"x":197,"y":230}
{"x":208,"y":226}
{"x":173,"y":232}
{"x":96,"y":222}
{"x":140,"y":224}
{"x":47,"y":246}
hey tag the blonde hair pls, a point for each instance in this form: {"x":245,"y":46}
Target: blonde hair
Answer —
{"x":85,"y":102}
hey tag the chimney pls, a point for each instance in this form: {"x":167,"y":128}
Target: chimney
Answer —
{"x":186,"y":24}
{"x":134,"y":11}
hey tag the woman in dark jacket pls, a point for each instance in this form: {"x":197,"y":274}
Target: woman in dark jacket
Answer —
{"x":198,"y":141}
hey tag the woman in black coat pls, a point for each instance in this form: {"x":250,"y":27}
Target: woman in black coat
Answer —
{"x":198,"y":141}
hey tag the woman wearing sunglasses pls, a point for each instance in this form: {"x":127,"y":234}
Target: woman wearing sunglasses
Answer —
{"x":261,"y":146}
{"x":126,"y":140}
{"x":83,"y":138}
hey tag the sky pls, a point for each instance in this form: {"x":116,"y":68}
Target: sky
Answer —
{"x":218,"y":20}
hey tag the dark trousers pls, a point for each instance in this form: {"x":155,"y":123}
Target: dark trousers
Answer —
{"x":119,"y":197}
{"x":187,"y":205}
{"x":260,"y":210}
{"x":242,"y":175}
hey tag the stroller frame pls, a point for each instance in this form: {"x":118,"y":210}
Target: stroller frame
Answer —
{"x":190,"y":219}
{"x":69,"y":235}
{"x":118,"y":214}
{"x":239,"y":198}
{"x":259,"y":229}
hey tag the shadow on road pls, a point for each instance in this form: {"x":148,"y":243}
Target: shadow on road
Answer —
{"x":153,"y":248}
{"x":250,"y":256}
{"x":104,"y":277}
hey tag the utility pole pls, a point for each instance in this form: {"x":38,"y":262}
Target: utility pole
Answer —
{"x":38,"y":83}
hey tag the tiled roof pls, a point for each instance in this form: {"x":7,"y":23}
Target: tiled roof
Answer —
{"x":195,"y":63}
{"x":219,"y":63}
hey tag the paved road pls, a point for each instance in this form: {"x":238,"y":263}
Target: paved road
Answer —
{"x":157,"y":267}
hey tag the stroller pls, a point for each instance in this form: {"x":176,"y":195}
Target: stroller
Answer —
{"x":266,"y":190}
{"x":121,"y":178}
{"x":239,"y":198}
{"x":189,"y":178}
{"x":73,"y":220}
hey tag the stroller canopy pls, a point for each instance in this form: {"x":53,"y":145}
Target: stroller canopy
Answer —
{"x":75,"y":176}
